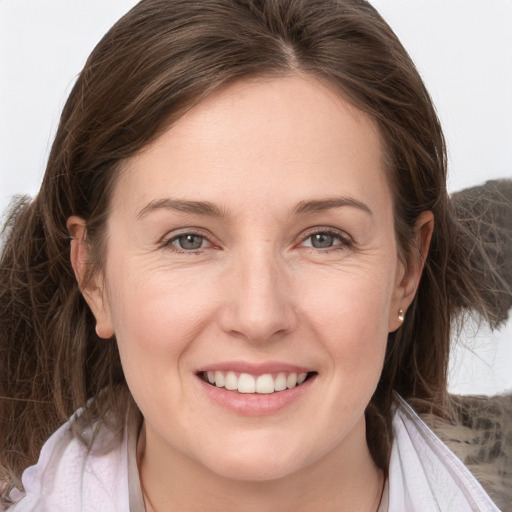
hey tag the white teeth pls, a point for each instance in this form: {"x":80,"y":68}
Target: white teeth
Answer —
{"x":265,"y":384}
{"x":247,"y":383}
{"x":280,"y":383}
{"x":231,"y":382}
{"x":291,"y":381}
{"x":219,"y":379}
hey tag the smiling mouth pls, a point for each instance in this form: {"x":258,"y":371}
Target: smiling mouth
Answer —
{"x":265,"y":384}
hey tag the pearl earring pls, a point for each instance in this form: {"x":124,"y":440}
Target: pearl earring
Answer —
{"x":401,"y":315}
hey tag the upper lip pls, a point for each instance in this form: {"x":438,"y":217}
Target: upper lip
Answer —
{"x":254,"y":368}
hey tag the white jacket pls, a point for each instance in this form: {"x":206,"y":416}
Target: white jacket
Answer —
{"x":424,"y":476}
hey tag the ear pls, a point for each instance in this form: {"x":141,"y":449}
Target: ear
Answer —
{"x":93,"y":290}
{"x":410,"y":274}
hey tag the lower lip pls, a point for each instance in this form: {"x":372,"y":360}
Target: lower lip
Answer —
{"x":254,"y":404}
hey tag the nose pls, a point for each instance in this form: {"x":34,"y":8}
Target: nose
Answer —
{"x":260,"y":305}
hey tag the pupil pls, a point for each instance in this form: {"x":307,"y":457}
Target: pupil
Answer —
{"x":190,"y":242}
{"x":322,"y":240}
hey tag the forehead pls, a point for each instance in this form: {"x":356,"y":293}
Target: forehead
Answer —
{"x":267,"y":137}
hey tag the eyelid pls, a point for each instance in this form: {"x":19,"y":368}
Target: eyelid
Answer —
{"x":345,"y":239}
{"x":167,"y":240}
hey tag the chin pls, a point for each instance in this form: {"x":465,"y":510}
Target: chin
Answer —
{"x":261,"y":471}
{"x":255,"y":465}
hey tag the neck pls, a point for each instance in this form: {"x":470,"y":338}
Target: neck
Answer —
{"x":340,"y":481}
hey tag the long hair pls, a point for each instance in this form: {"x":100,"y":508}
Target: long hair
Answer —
{"x":159,"y":60}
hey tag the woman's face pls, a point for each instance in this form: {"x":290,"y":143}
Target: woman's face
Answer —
{"x":251,"y":245}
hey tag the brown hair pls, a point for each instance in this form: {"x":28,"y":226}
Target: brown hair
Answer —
{"x":484,"y":213}
{"x":158,"y":60}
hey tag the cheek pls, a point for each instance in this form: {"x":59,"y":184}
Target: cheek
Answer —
{"x":156,"y":316}
{"x":348,"y":320}
{"x":350,"y":314}
{"x":349,"y":301}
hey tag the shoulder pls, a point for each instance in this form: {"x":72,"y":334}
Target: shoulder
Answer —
{"x":425,"y":475}
{"x":72,"y":475}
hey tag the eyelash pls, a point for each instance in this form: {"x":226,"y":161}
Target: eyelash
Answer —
{"x":168,"y":244}
{"x":345,"y":241}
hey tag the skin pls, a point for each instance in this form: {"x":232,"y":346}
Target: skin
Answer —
{"x":255,"y":291}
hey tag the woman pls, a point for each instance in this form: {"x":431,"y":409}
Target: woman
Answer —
{"x":240,"y":263}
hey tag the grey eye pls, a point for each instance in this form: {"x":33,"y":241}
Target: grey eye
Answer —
{"x":322,"y":240}
{"x":189,"y":242}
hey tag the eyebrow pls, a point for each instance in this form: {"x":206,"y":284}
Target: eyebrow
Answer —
{"x":208,"y":209}
{"x":321,"y":205}
{"x":195,"y":207}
